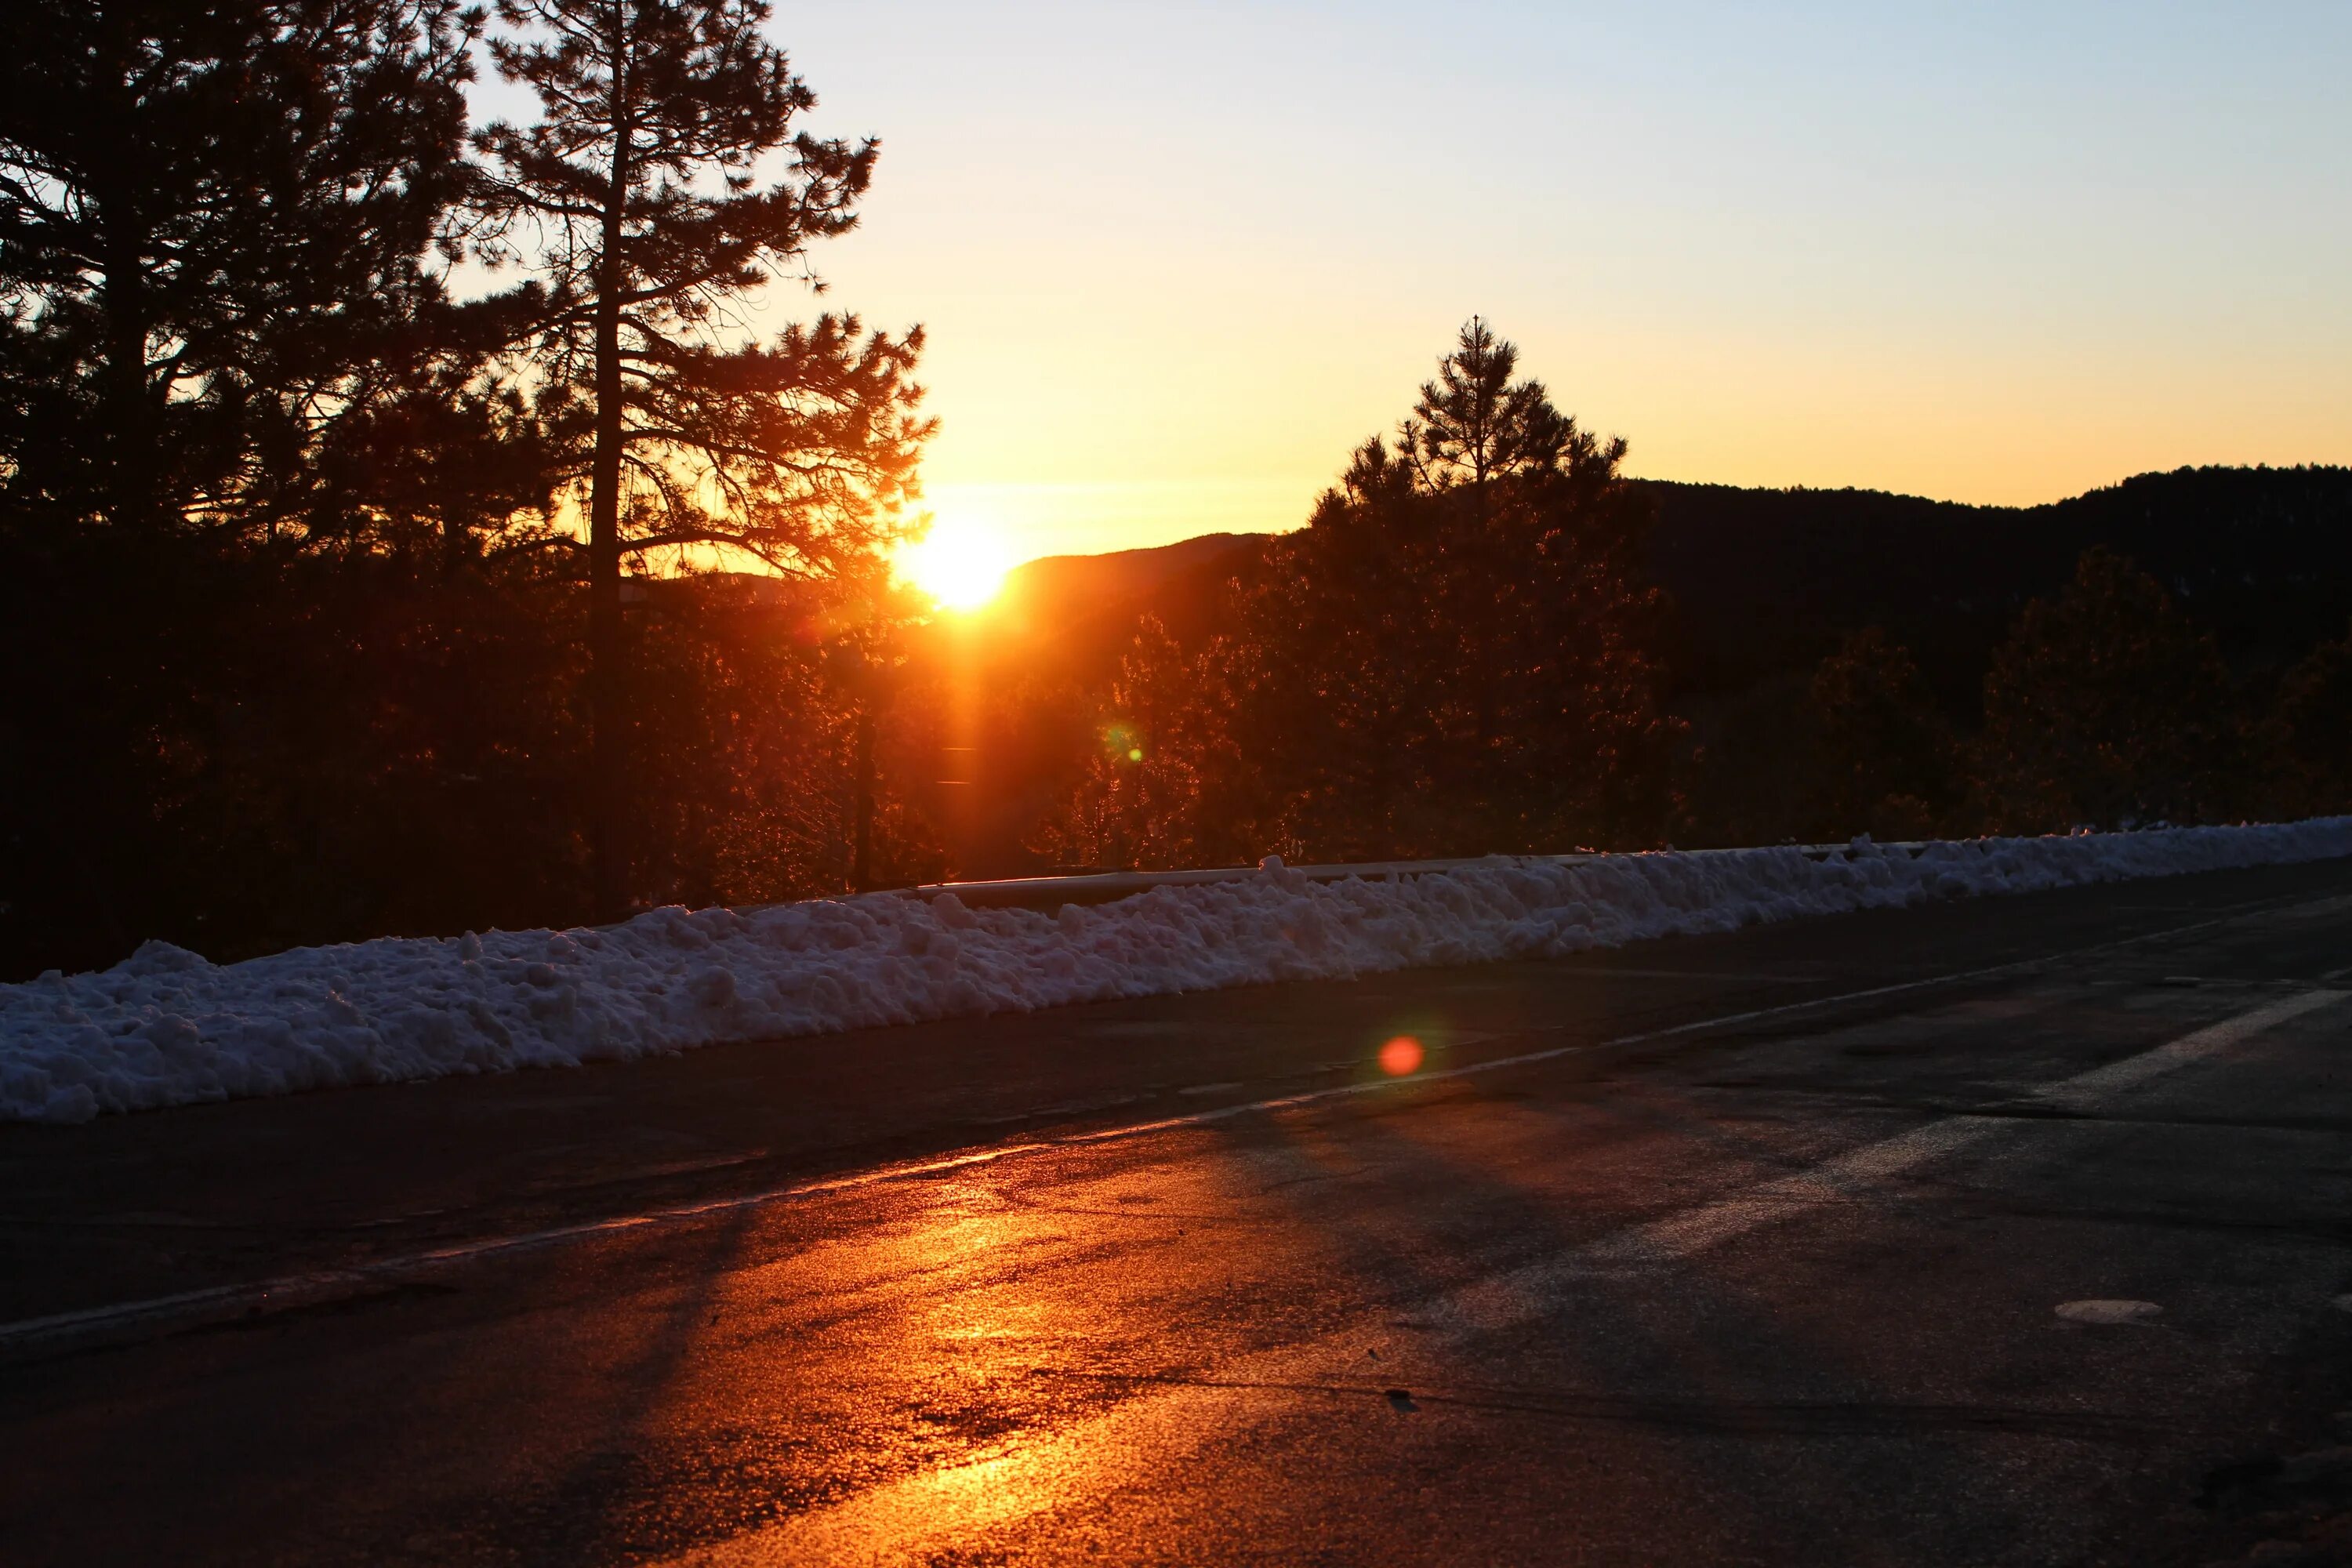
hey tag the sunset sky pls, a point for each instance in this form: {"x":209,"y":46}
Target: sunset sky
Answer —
{"x":1177,"y":259}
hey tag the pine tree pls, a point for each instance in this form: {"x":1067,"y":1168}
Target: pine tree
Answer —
{"x":1473,"y":423}
{"x":1887,"y":758}
{"x":1453,"y":656}
{"x":634,"y":200}
{"x":216,"y":222}
{"x":1163,"y":784}
{"x":218,"y":226}
{"x":2107,"y":708}
{"x":2308,"y":735}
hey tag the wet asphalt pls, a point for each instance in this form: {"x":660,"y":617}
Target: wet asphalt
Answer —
{"x":1746,"y":1248}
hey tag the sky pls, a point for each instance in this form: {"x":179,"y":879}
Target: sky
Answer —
{"x":1176,"y":260}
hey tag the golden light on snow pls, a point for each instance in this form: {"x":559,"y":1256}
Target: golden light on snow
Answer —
{"x":960,"y":562}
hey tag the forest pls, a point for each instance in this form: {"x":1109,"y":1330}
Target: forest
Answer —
{"x":403,"y":527}
{"x":1818,"y":663}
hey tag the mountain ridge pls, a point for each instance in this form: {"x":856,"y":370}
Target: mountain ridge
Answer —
{"x":1770,"y":579}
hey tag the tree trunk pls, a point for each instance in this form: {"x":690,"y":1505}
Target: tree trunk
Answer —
{"x":608,"y":696}
{"x":861,"y":861}
{"x":130,"y":467}
{"x":130,"y":434}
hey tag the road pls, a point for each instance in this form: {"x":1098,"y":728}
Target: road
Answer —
{"x":1747,"y":1249}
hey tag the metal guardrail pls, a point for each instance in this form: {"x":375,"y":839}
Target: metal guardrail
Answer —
{"x":1108,"y":887}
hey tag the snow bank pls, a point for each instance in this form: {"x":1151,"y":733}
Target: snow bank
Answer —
{"x":166,"y":1027}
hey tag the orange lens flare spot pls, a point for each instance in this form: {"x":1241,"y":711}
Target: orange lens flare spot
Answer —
{"x":1401,"y":1055}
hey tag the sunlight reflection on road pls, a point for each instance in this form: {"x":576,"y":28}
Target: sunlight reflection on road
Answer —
{"x":1087,"y":1335}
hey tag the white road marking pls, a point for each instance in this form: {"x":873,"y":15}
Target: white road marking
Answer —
{"x":1838,"y":1180}
{"x":1694,"y":1230}
{"x":2085,"y":1090}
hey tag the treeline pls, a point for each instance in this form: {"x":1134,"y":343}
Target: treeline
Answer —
{"x":1466,"y":653}
{"x":1767,"y":582}
{"x":2108,"y":706}
{"x":351,"y":455}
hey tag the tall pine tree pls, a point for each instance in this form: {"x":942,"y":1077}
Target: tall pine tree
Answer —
{"x":216,"y":222}
{"x":1474,"y":423}
{"x":216,"y":252}
{"x":1454,"y":656}
{"x":634,"y":200}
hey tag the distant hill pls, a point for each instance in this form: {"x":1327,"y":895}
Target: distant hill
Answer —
{"x":1119,"y":575}
{"x":1764,"y":583}
{"x":1769,"y":580}
{"x":1086,"y":606}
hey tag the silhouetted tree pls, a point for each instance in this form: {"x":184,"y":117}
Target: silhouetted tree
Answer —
{"x":1453,"y":655}
{"x":748,"y":758}
{"x":1888,"y":763}
{"x":1474,"y":423}
{"x":1164,"y":786}
{"x":1452,"y":658}
{"x":445,"y":456}
{"x":2307,"y":738}
{"x":216,"y":219}
{"x":295,"y":511}
{"x":634,"y":200}
{"x":217,"y":231}
{"x":2107,"y":708}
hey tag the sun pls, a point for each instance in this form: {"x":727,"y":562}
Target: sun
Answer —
{"x":960,"y":562}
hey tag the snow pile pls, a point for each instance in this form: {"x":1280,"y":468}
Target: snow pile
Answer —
{"x":166,"y":1027}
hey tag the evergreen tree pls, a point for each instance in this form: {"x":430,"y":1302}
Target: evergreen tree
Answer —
{"x":2308,"y":735}
{"x":634,"y":199}
{"x":2107,"y":708}
{"x":216,"y":230}
{"x":1885,"y":753}
{"x":444,"y":456}
{"x":1474,"y":423}
{"x":216,"y":219}
{"x":1452,"y":657}
{"x":1160,"y":790}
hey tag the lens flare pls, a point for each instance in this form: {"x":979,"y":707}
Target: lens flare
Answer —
{"x":1400,"y":1056}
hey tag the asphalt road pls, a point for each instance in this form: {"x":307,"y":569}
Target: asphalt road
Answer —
{"x":1748,"y":1248}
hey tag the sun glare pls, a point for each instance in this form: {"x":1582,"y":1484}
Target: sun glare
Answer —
{"x":961,"y":563}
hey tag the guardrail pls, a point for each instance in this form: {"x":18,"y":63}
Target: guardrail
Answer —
{"x":1108,"y":887}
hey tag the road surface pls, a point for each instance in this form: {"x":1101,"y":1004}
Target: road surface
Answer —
{"x":2010,"y":1231}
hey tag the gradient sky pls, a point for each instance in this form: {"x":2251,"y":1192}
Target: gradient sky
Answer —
{"x":1177,"y":259}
